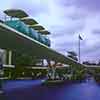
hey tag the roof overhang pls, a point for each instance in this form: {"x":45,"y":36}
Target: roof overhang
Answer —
{"x":29,"y":21}
{"x":44,"y":32}
{"x":14,"y":40}
{"x":37,"y":27}
{"x":16,"y":13}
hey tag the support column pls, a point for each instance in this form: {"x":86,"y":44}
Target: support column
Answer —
{"x":9,"y":57}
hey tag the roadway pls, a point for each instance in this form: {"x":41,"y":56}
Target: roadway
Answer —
{"x":33,"y":90}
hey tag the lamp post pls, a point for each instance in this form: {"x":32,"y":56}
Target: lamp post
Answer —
{"x":79,"y":39}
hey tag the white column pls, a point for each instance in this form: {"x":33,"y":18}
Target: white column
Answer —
{"x":9,"y":57}
{"x":5,"y":57}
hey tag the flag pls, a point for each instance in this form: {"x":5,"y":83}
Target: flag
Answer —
{"x":80,"y":37}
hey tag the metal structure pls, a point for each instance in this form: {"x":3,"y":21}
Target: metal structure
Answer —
{"x":37,"y":27}
{"x":80,"y":38}
{"x":29,"y":21}
{"x":16,"y":13}
{"x":44,"y":32}
{"x":13,"y":38}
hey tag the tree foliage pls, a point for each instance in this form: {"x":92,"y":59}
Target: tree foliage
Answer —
{"x":24,"y":59}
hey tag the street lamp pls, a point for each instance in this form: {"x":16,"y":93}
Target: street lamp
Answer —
{"x":79,"y":39}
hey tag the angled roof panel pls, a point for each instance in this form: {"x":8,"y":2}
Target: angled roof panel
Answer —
{"x":29,"y":21}
{"x":44,"y":32}
{"x":37,"y":27}
{"x":16,"y":13}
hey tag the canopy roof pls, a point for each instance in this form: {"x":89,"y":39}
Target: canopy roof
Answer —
{"x":37,"y":27}
{"x":29,"y":21}
{"x":16,"y":13}
{"x":11,"y":39}
{"x":44,"y":32}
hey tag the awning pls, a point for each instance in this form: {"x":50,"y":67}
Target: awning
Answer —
{"x":37,"y":27}
{"x":16,"y":13}
{"x":44,"y":32}
{"x":29,"y":21}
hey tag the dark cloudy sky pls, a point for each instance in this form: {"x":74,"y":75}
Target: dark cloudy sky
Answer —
{"x":66,"y":19}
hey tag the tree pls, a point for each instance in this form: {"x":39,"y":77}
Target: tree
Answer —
{"x":77,"y":72}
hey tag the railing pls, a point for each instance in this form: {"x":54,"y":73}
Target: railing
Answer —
{"x":93,"y":66}
{"x":9,"y":66}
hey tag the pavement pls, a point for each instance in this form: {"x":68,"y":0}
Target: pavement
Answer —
{"x":2,"y":95}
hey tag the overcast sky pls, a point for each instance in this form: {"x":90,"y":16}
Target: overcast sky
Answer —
{"x":66,"y":19}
